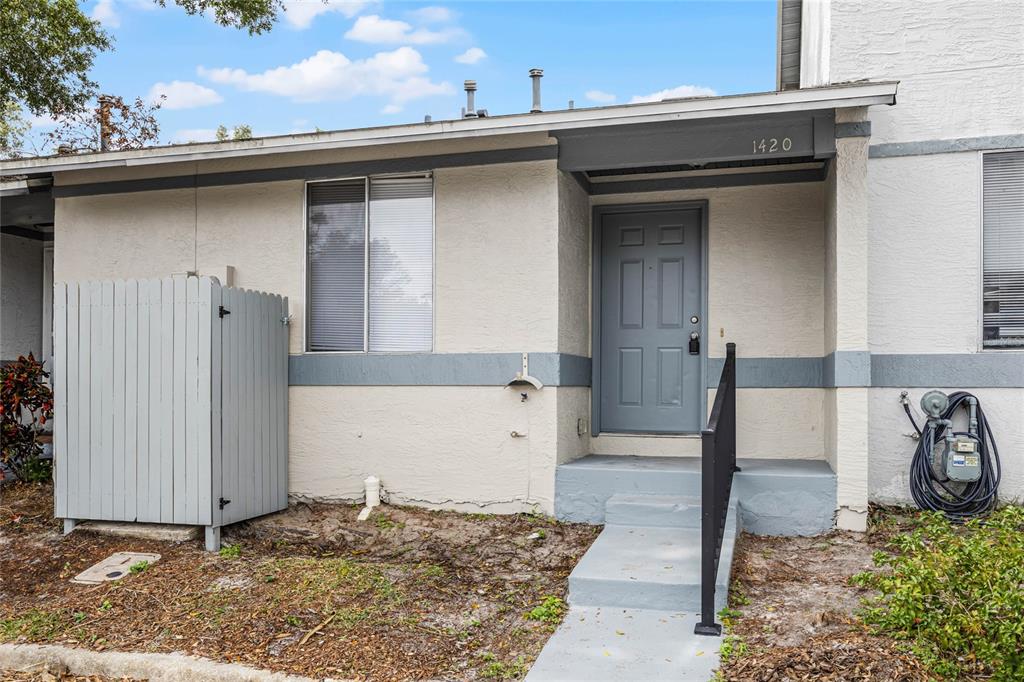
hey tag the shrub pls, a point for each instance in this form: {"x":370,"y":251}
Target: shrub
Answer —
{"x":956,"y":593}
{"x":26,"y":403}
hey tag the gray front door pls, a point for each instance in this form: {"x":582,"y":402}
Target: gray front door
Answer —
{"x":650,"y":297}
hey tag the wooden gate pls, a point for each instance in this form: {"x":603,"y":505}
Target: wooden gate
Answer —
{"x":171,"y":402}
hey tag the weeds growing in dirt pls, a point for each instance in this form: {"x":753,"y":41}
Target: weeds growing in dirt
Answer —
{"x":549,"y":611}
{"x":230,"y":551}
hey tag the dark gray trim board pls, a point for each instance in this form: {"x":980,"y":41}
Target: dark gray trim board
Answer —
{"x":853,"y":129}
{"x":27,"y":233}
{"x":960,"y":144}
{"x":434,"y":369}
{"x":416,"y":164}
{"x":995,"y":369}
{"x":770,"y":372}
{"x":710,"y":181}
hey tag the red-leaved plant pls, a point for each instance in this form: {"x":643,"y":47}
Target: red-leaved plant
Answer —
{"x":26,"y":403}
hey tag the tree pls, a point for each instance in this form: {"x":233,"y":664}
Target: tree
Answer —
{"x":48,"y":48}
{"x":242,"y":131}
{"x":112,"y":124}
{"x":13,"y":128}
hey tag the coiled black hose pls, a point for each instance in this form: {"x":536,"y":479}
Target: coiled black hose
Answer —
{"x":958,"y":501}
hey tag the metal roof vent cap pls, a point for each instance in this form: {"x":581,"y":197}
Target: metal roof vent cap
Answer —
{"x":535,"y":76}
{"x":470,"y":87}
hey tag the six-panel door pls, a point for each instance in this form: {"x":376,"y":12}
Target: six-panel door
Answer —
{"x":650,"y":306}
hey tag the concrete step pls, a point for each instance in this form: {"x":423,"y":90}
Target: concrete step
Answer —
{"x":596,"y":644}
{"x":644,"y":567}
{"x":659,"y":511}
{"x":775,"y":496}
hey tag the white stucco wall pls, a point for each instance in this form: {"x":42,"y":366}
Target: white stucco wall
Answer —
{"x":765,"y":266}
{"x":959,"y":67}
{"x":958,"y":63}
{"x":21,"y":289}
{"x":438,"y":446}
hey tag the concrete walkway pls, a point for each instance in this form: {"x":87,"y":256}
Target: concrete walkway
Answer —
{"x":635,"y":595}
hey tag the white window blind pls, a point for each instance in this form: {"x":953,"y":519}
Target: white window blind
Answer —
{"x":336,"y":267}
{"x":378,"y":298}
{"x":1003,"y":224}
{"x":401,"y":264}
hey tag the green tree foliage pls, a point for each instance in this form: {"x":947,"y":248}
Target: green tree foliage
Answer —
{"x":243,"y":131}
{"x":13,"y":128}
{"x":256,"y":16}
{"x":47,"y":50}
{"x":128,"y":125}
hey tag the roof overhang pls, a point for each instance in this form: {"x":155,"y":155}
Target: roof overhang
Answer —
{"x":861,"y":94}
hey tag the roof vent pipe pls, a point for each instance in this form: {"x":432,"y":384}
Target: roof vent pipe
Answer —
{"x":535,"y":76}
{"x":470,"y":87}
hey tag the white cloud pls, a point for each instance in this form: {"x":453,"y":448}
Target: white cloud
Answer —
{"x":391,"y":109}
{"x":184,"y":95}
{"x":599,"y":96}
{"x":379,"y":31}
{"x":471,"y":56}
{"x":300,"y":14}
{"x":398,"y":75}
{"x":433,"y":15}
{"x":186,"y":135}
{"x":106,"y":13}
{"x":675,"y":93}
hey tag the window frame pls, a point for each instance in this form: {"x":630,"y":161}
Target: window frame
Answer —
{"x":980,"y":327}
{"x":367,"y":179}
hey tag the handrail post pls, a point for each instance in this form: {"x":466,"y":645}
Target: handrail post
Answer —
{"x":718,"y":462}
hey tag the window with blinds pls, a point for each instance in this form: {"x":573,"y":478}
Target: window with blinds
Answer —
{"x":370,"y":250}
{"x":1003,"y":226}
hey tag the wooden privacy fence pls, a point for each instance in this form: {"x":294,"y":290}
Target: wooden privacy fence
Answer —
{"x":171,"y":399}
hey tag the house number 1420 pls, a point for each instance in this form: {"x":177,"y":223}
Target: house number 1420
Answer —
{"x":770,"y":145}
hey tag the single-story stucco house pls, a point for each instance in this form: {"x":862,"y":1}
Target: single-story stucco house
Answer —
{"x":849,"y":232}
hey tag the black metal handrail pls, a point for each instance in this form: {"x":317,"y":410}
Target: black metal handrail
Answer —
{"x":718,"y":463}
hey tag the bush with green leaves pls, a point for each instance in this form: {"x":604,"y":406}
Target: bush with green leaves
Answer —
{"x":956,"y":593}
{"x":26,"y":403}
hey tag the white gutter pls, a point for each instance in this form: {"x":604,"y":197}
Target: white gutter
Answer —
{"x":838,"y":96}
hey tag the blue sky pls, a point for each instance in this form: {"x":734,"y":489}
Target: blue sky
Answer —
{"x":360,"y":63}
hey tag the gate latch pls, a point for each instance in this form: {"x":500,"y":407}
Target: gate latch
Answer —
{"x":222,"y":311}
{"x":223,"y":503}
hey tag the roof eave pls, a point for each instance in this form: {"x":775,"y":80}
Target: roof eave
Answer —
{"x":836,"y":96}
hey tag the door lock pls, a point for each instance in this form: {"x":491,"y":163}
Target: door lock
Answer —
{"x":694,"y":343}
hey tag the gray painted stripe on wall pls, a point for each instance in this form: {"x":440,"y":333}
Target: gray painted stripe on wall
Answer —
{"x":996,"y":369}
{"x":960,"y":144}
{"x":1004,"y":369}
{"x":853,"y":129}
{"x":414,"y":164}
{"x":770,"y":372}
{"x":434,"y":369}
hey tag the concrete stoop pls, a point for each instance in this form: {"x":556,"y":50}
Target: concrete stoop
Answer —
{"x":635,"y":595}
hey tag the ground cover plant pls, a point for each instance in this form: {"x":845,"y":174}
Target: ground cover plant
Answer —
{"x":955,"y":593}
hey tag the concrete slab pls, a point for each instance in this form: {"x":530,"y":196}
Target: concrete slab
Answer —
{"x":596,"y":644}
{"x":114,"y":567}
{"x":161,"y":532}
{"x":647,"y":568}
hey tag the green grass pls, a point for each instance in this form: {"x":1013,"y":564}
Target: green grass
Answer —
{"x":34,"y":624}
{"x":955,"y":594}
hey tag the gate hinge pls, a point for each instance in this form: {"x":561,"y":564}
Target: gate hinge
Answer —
{"x":223,"y":503}
{"x":222,"y":311}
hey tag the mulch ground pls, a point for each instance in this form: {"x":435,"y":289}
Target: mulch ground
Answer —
{"x":795,"y":613}
{"x":410,"y":594}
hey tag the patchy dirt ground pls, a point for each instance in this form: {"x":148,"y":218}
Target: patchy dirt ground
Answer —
{"x":410,"y":594}
{"x":794,"y":613}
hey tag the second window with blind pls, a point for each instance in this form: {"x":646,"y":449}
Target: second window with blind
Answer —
{"x":370,"y":265}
